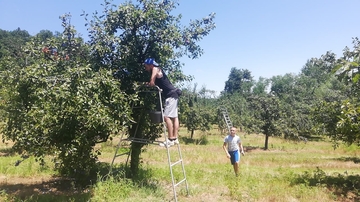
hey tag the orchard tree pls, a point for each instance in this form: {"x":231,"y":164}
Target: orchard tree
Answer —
{"x":198,"y":118}
{"x":266,"y":116}
{"x":196,"y":110}
{"x":348,"y":71}
{"x":287,"y":89}
{"x":297,"y":94}
{"x":239,"y":81}
{"x":348,"y":68}
{"x":59,"y":106}
{"x":237,"y":107}
{"x":237,"y":89}
{"x":12,"y":42}
{"x":260,"y":87}
{"x":123,"y":36}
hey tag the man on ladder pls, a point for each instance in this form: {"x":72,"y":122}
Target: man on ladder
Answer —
{"x":171,"y":94}
{"x":158,"y":78}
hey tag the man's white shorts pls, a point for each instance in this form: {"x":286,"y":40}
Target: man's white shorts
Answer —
{"x":171,"y":107}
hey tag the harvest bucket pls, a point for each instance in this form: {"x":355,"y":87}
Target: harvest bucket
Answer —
{"x":156,"y":116}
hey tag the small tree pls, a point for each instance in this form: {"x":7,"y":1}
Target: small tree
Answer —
{"x":266,"y":116}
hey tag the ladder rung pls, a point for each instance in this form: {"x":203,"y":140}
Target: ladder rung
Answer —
{"x":176,"y":162}
{"x":180,"y":182}
{"x":140,"y":140}
{"x":123,"y":154}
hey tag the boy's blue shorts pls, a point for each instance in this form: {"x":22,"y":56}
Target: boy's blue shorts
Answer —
{"x":234,"y":156}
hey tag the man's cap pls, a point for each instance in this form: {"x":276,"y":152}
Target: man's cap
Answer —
{"x":151,"y":61}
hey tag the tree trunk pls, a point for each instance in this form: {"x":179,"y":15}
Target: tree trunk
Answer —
{"x":137,"y":128}
{"x":266,"y":141}
{"x":135,"y":159}
{"x":192,"y":134}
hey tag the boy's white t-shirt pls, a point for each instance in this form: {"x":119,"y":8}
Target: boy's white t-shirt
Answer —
{"x":232,"y":142}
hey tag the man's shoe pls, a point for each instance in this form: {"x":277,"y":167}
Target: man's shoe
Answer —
{"x":171,"y":143}
{"x":167,"y":143}
{"x":176,"y":141}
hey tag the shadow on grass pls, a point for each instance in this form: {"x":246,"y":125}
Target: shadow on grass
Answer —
{"x":143,"y":179}
{"x":64,"y":189}
{"x":251,"y":148}
{"x":343,"y":185}
{"x":53,"y":189}
{"x":201,"y":141}
{"x":345,"y":159}
{"x":315,"y":138}
{"x":7,"y":152}
{"x":56,"y":189}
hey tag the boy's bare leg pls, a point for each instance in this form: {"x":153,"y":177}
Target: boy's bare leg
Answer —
{"x":236,"y":168}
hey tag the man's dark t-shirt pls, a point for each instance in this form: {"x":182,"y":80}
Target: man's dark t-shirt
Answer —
{"x":168,"y":89}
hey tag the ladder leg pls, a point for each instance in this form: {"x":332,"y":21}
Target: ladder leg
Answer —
{"x":183,"y":170}
{"x":116,"y":151}
{"x":169,"y":160}
{"x":171,"y":165}
{"x":167,"y":147}
{"x":171,"y":173}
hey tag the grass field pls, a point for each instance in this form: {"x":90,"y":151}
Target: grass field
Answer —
{"x":288,"y":171}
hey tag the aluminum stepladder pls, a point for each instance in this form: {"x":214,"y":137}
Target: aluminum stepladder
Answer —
{"x":147,"y":141}
{"x":226,"y":116}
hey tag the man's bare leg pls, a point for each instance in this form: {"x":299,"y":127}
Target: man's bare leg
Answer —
{"x":176,"y":127}
{"x":169,"y":125}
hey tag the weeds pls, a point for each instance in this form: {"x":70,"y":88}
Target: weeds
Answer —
{"x":341,"y":184}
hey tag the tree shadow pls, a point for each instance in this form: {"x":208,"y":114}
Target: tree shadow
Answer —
{"x":56,"y":189}
{"x":353,"y":159}
{"x":315,"y":138}
{"x":7,"y":152}
{"x":144,"y":178}
{"x":66,"y":189}
{"x":342,"y":185}
{"x":201,"y":141}
{"x":251,"y":148}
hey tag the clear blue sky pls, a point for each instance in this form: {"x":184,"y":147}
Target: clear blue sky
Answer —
{"x":267,"y":37}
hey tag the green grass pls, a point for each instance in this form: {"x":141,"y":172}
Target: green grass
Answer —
{"x":288,"y":171}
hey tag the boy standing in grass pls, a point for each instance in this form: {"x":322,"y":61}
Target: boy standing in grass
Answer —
{"x":232,"y":145}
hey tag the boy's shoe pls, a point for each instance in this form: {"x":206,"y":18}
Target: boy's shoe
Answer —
{"x":176,"y":141}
